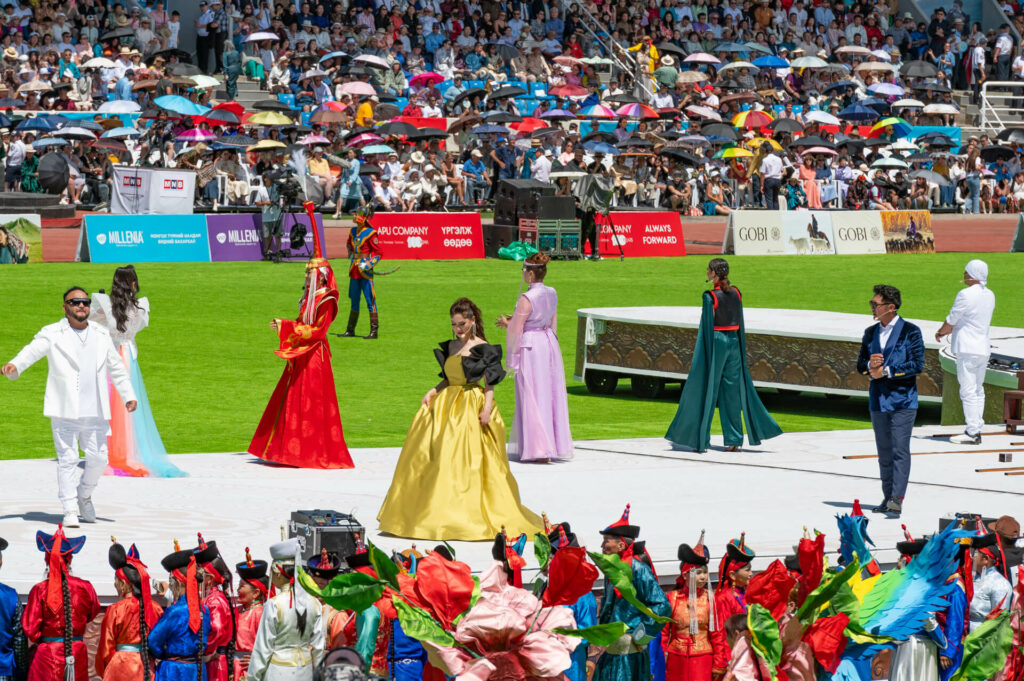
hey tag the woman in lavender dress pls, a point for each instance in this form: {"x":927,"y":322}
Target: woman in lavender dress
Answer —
{"x":540,"y":429}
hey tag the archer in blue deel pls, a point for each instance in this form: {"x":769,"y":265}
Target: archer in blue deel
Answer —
{"x":719,"y":375}
{"x":363,"y":253}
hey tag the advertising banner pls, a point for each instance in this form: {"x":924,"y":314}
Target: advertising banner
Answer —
{"x":235,"y":237}
{"x":807,"y":232}
{"x":145,"y":238}
{"x":754,"y":232}
{"x":430,"y":236}
{"x":143,"y":191}
{"x":858,"y":232}
{"x":908,"y":231}
{"x":21,"y":240}
{"x":641,"y":234}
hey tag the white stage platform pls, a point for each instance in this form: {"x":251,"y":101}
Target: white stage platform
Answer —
{"x":771,"y":492}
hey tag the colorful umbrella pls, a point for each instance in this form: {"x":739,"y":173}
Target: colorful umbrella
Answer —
{"x":596,"y":111}
{"x":821,"y":150}
{"x":751,"y":119}
{"x":317,"y":139}
{"x":636,"y":111}
{"x":364,"y":139}
{"x":374,"y":149}
{"x":702,"y":58}
{"x":426,"y":79}
{"x":196,"y":135}
{"x":886,"y":89}
{"x":771,"y":62}
{"x":528,"y":125}
{"x":559,"y":115}
{"x":177,"y":104}
{"x":758,"y":141}
{"x":269,"y":118}
{"x":899,"y":126}
{"x":735,"y":152}
{"x":358,"y":87}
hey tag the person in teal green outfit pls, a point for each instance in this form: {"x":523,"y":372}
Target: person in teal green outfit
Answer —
{"x":232,"y":69}
{"x":719,"y":375}
{"x":628,"y":658}
{"x":30,"y":171}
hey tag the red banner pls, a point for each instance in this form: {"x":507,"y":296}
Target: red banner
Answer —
{"x":641,"y":234}
{"x":430,"y":236}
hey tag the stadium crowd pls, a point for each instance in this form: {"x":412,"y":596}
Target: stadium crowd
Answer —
{"x":699,"y":106}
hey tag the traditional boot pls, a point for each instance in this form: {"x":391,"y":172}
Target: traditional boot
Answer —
{"x":373,"y":326}
{"x":350,"y":330}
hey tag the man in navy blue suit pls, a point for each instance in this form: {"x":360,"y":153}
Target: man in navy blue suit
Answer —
{"x":892,"y":354}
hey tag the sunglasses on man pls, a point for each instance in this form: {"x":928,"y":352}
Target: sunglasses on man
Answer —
{"x":75,"y":302}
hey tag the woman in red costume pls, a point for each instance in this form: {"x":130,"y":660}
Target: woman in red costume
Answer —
{"x":733,"y":575}
{"x":253,"y":589}
{"x":694,"y":640}
{"x":123,"y":650}
{"x":302,"y":424}
{"x":57,"y":612}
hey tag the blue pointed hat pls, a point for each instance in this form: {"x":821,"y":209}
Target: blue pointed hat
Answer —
{"x":68,"y":545}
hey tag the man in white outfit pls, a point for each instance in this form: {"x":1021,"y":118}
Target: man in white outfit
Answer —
{"x":80,"y":355}
{"x":969,"y":321}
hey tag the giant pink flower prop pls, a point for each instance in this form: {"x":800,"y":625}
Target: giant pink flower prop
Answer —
{"x":511,"y":632}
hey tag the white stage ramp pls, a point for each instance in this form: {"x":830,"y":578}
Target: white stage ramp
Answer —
{"x":771,"y":492}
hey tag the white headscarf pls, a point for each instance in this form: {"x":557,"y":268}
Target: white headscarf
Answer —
{"x":978,"y":270}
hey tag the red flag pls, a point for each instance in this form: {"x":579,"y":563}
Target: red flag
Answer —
{"x":811,"y":553}
{"x":570,"y":576}
{"x":771,"y":589}
{"x":827,"y":641}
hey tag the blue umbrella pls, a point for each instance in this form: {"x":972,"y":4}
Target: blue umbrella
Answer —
{"x":879,"y":105}
{"x":180,"y":105}
{"x":332,"y":55}
{"x":377,"y":149}
{"x":37,"y":124}
{"x":49,"y":142}
{"x":490,"y":130}
{"x":771,"y":62}
{"x":841,"y":85}
{"x":601,"y":148}
{"x":856,"y":112}
{"x":122,"y":132}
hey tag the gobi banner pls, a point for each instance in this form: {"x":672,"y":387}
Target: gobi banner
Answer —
{"x":858,"y":231}
{"x":641,"y":234}
{"x":430,"y":236}
{"x":754,"y":232}
{"x":144,"y":238}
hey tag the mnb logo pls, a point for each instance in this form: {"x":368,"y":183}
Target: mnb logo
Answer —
{"x":131,"y":181}
{"x":175,"y":185}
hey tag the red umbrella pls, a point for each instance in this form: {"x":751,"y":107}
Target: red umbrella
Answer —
{"x":528,"y":125}
{"x":233,"y":107}
{"x":568,"y":91}
{"x":426,"y":79}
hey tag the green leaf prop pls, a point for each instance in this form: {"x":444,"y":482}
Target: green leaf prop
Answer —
{"x":985,"y":649}
{"x":764,"y":636}
{"x":351,"y":591}
{"x":880,"y":593}
{"x":600,"y":635}
{"x":472,"y":600}
{"x":808,"y":612}
{"x":845,"y":601}
{"x":420,"y":625}
{"x":541,"y":549}
{"x":451,"y":549}
{"x":384,"y":566}
{"x":620,"y":575}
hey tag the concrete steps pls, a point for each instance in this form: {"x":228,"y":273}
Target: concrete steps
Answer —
{"x":249,"y":93}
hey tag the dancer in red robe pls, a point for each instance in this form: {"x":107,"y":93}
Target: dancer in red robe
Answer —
{"x":733,"y":575}
{"x":123,"y":650}
{"x":694,"y":640}
{"x":43,"y":620}
{"x":302,"y":425}
{"x":253,"y":589}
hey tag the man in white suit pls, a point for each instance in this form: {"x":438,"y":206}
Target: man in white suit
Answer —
{"x":80,"y":355}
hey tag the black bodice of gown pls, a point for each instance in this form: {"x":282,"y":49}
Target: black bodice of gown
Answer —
{"x":728,"y":308}
{"x":483,"y":362}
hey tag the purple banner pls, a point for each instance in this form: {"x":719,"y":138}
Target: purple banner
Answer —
{"x":238,"y":236}
{"x":235,"y":237}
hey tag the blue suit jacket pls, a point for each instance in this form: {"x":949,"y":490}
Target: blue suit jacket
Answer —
{"x":904,"y":355}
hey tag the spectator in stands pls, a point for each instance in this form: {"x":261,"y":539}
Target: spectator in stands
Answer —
{"x":477,"y":180}
{"x":319,"y":171}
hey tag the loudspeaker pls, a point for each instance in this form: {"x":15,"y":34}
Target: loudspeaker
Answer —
{"x":498,"y":236}
{"x":556,"y":208}
{"x":515,"y":199}
{"x":322,"y":529}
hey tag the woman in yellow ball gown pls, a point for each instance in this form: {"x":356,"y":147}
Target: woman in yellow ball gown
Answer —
{"x":453,"y":480}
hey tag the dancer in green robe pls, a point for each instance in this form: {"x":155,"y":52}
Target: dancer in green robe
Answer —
{"x":628,"y":658}
{"x":719,"y":375}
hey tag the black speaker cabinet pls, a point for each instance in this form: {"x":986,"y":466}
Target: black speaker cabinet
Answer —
{"x":556,"y":208}
{"x":516,"y":199}
{"x":498,"y":236}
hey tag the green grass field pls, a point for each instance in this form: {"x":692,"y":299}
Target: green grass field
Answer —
{"x":209,"y":366}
